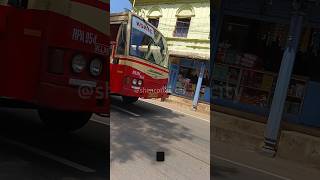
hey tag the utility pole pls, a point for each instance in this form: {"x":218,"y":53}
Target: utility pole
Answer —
{"x":198,"y":88}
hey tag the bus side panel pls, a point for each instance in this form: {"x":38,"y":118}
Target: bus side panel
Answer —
{"x":151,"y":88}
{"x":20,"y":68}
{"x":116,"y":78}
{"x":3,"y":47}
{"x":3,"y":18}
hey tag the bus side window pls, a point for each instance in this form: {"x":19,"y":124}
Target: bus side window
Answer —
{"x":122,"y":40}
{"x":19,"y":3}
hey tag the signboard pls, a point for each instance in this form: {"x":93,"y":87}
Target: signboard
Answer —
{"x":141,"y":26}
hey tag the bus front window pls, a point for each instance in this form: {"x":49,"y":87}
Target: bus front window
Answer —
{"x":147,"y":43}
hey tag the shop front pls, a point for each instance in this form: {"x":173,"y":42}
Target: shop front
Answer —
{"x":248,"y":59}
{"x":185,"y":74}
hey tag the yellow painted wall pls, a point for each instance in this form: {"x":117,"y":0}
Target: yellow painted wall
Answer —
{"x":198,"y":36}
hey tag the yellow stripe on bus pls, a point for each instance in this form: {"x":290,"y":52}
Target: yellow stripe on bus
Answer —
{"x":93,"y":17}
{"x":89,"y":15}
{"x":145,"y":69}
{"x":142,"y":61}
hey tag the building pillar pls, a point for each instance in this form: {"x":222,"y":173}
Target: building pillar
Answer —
{"x":215,"y":27}
{"x":198,"y":89}
{"x":280,"y":95}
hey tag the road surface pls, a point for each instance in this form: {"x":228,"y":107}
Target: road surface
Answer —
{"x":138,"y":131}
{"x":28,"y":152}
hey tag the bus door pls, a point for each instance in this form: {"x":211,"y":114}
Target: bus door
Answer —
{"x":119,"y":48}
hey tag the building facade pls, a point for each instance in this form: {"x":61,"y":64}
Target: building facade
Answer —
{"x":266,"y":62}
{"x":186,"y":26}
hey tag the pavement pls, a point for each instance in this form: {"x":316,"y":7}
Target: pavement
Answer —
{"x":185,"y":104}
{"x":178,"y":106}
{"x":29,"y":152}
{"x":294,"y":145}
{"x":232,"y":162}
{"x":138,"y":131}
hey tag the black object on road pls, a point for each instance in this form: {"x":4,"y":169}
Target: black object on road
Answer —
{"x":160,"y":156}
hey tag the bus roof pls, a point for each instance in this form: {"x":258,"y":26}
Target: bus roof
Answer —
{"x":118,"y":18}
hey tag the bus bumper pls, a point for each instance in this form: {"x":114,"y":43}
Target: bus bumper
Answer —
{"x":68,"y":98}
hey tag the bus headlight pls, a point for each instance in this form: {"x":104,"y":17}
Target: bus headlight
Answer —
{"x":96,"y":67}
{"x":78,"y":63}
{"x":134,"y":81}
{"x":140,"y":82}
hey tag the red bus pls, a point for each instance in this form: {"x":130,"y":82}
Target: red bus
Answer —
{"x":52,"y":57}
{"x":139,"y":58}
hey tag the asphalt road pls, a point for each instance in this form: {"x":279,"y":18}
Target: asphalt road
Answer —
{"x":138,"y":131}
{"x":29,"y":152}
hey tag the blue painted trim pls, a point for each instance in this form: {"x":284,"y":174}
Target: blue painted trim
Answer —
{"x":197,"y":93}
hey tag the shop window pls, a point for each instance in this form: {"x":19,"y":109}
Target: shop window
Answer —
{"x":154,"y":21}
{"x":182,"y":27}
{"x":248,"y":61}
{"x":19,"y":3}
{"x":187,"y":81}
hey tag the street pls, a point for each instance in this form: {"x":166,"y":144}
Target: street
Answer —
{"x":138,"y":131}
{"x":29,"y":152}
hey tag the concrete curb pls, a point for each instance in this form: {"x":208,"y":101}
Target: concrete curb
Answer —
{"x":238,"y":131}
{"x":187,"y":104}
{"x":179,"y":109}
{"x":293,"y":146}
{"x":300,"y":147}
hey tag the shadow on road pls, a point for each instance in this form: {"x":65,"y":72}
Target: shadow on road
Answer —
{"x":220,"y":171}
{"x":144,"y":136}
{"x":87,"y":146}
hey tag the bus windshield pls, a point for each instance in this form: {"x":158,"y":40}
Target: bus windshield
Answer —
{"x":147,"y":43}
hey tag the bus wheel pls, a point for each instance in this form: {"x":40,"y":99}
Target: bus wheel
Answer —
{"x":129,"y":99}
{"x":63,"y":121}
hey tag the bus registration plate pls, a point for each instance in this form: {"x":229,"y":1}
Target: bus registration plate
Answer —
{"x":152,"y":95}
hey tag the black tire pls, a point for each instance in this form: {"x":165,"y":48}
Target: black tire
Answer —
{"x":63,"y":121}
{"x":129,"y":99}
